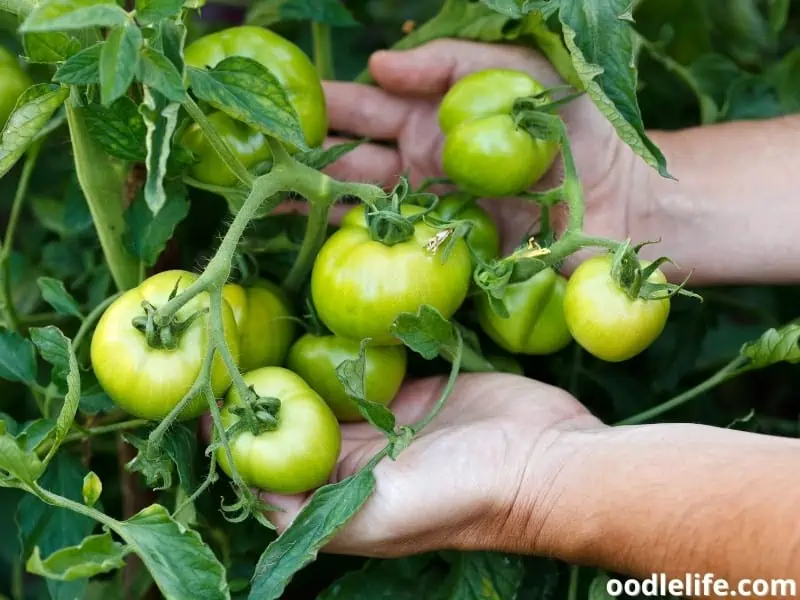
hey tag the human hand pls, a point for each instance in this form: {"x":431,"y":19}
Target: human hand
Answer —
{"x":482,"y":473}
{"x":404,"y":111}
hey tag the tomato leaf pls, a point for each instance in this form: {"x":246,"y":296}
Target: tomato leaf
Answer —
{"x":248,"y":92}
{"x":427,"y":333}
{"x":182,"y":566}
{"x":599,"y":36}
{"x":148,"y":234}
{"x":157,"y":72}
{"x":118,"y":128}
{"x":95,"y":554}
{"x":477,"y":575}
{"x":408,"y":578}
{"x":56,"y":349}
{"x":161,"y":119}
{"x":149,"y":12}
{"x":154,"y":465}
{"x":119,"y":61}
{"x":56,"y":295}
{"x":775,"y":345}
{"x":17,"y":358}
{"x":351,"y":374}
{"x":52,"y":47}
{"x":598,"y":589}
{"x":82,"y":68}
{"x":33,"y":111}
{"x":328,"y":510}
{"x":15,"y":462}
{"x":65,"y":15}
{"x":34,"y":433}
{"x":330,"y":12}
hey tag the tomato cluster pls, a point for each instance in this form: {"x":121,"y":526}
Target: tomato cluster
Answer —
{"x":382,"y":261}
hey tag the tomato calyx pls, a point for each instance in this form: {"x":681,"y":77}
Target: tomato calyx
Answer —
{"x":633,"y":277}
{"x":259,"y":415}
{"x":167,"y":336}
{"x":386,"y":222}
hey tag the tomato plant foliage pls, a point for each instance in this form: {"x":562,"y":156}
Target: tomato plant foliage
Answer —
{"x":138,"y":139}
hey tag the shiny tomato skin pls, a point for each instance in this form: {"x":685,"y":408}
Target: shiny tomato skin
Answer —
{"x":604,"y":320}
{"x":300,"y":454}
{"x":359,"y":285}
{"x":536,"y":323}
{"x":316,"y":358}
{"x":13,"y":81}
{"x":149,"y":382}
{"x":264,"y":318}
{"x":485,"y":152}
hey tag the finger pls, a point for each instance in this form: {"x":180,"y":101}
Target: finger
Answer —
{"x":364,"y":110}
{"x":288,"y":507}
{"x":433,"y":68}
{"x":367,"y":163}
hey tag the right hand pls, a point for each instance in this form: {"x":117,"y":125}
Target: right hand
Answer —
{"x":404,"y":111}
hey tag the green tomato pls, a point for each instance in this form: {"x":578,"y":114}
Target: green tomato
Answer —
{"x":149,"y":382}
{"x":291,"y":67}
{"x":315,"y":359}
{"x":360,"y":285}
{"x":483,"y":237}
{"x":604,"y":320}
{"x":247,"y":144}
{"x":297,"y":456}
{"x":264,"y":320}
{"x":13,"y":81}
{"x":485,"y":153}
{"x":536,"y":323}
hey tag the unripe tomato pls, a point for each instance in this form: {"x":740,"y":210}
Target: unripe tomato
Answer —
{"x":297,"y":456}
{"x":13,"y":81}
{"x":249,"y":146}
{"x":290,"y":66}
{"x":264,"y":319}
{"x":483,"y":237}
{"x":536,"y":323}
{"x":149,"y":382}
{"x":604,"y":320}
{"x":316,"y":358}
{"x":360,"y":285}
{"x":485,"y":153}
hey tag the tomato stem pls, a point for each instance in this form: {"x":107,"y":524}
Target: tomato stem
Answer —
{"x":6,"y":297}
{"x":323,"y":51}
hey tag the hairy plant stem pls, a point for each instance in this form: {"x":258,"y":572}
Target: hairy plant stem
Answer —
{"x":217,"y":143}
{"x":91,"y":319}
{"x":448,"y":389}
{"x":323,"y":51}
{"x":733,"y":369}
{"x":12,"y":319}
{"x":91,"y":432}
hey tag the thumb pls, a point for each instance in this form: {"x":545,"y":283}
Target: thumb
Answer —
{"x":433,"y":68}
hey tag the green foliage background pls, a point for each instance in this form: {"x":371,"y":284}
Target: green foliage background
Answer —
{"x":699,"y":63}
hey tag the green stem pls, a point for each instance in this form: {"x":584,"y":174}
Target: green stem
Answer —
{"x":91,"y":319}
{"x":574,"y":580}
{"x":451,"y":383}
{"x":473,"y":362}
{"x":571,"y":187}
{"x":207,"y":483}
{"x":21,"y":8}
{"x":219,"y":427}
{"x":12,"y":319}
{"x":61,"y":502}
{"x":323,"y":52}
{"x":564,"y":247}
{"x":217,"y":329}
{"x":316,"y":230}
{"x":84,"y":434}
{"x":732,"y":369}
{"x":217,"y":143}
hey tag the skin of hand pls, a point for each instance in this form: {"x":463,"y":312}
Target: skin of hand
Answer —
{"x":454,"y":485}
{"x":404,"y":111}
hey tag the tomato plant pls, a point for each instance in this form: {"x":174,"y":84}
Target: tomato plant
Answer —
{"x":151,"y":289}
{"x":147,"y":369}
{"x":316,"y":358}
{"x":299,"y":453}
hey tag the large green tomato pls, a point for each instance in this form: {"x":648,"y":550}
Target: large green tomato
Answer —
{"x":483,"y":237}
{"x":13,"y":81}
{"x":297,"y":456}
{"x":359,"y":285}
{"x":536,"y":323}
{"x":248,"y":145}
{"x":315,"y":359}
{"x":264,"y":319}
{"x":288,"y":63}
{"x":485,"y":153}
{"x":604,"y":320}
{"x":149,"y":382}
